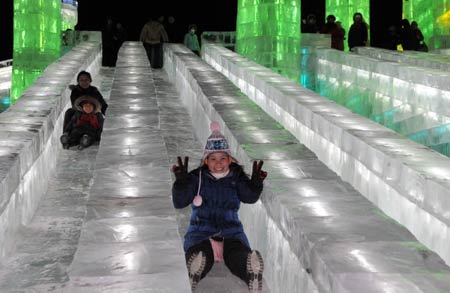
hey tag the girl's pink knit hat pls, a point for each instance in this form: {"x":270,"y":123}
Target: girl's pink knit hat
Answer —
{"x":216,"y":142}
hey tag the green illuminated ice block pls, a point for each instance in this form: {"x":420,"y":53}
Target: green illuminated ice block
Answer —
{"x":268,"y":32}
{"x":344,"y":10}
{"x":69,"y":16}
{"x":433,"y":18}
{"x":37,"y":41}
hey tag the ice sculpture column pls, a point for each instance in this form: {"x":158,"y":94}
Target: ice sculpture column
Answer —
{"x":37,"y":41}
{"x":433,"y":18}
{"x":344,"y":10}
{"x":69,"y":14}
{"x":268,"y":32}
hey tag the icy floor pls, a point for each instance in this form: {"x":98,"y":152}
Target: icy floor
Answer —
{"x":99,"y":227}
{"x":107,"y":223}
{"x":45,"y":248}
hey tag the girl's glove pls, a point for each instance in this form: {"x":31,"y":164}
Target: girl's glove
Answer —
{"x":181,"y":171}
{"x":258,"y":175}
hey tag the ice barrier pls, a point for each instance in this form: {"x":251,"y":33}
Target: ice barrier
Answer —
{"x":411,"y":100}
{"x":130,"y":240}
{"x":30,"y":131}
{"x":203,"y":91}
{"x":309,"y":225}
{"x":432,"y":60}
{"x":409,"y":182}
{"x":5,"y":86}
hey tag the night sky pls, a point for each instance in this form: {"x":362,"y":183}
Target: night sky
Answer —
{"x":220,"y":15}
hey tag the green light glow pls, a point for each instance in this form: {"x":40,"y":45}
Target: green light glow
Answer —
{"x":344,"y":10}
{"x":69,"y":16}
{"x":37,"y":41}
{"x":433,"y":18}
{"x":269,"y":34}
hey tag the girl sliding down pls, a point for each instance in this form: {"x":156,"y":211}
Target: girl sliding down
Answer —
{"x":215,"y":190}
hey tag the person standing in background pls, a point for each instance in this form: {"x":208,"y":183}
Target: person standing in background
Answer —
{"x":338,"y":37}
{"x":191,"y":39}
{"x":173,"y":30}
{"x":419,"y":43}
{"x":407,"y":38}
{"x":108,"y":44}
{"x":153,"y":35}
{"x":120,"y":36}
{"x":310,"y":24}
{"x":358,"y":34}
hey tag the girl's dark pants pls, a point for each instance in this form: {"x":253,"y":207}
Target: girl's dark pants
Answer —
{"x":235,"y":255}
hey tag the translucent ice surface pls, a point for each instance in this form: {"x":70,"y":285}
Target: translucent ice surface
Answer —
{"x":30,"y":140}
{"x":308,"y":215}
{"x":405,"y":180}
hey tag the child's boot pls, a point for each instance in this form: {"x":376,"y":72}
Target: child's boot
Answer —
{"x":85,"y":141}
{"x":65,"y":140}
{"x":255,"y":268}
{"x":196,"y":265}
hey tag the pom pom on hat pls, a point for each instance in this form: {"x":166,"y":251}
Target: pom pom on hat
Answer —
{"x":215,"y":127}
{"x":216,"y":142}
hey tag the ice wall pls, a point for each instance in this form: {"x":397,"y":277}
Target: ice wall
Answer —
{"x":30,"y":131}
{"x":204,"y":91}
{"x":37,"y":41}
{"x":269,"y":33}
{"x":409,"y":182}
{"x":432,"y":18}
{"x":432,"y":60}
{"x":405,"y":96}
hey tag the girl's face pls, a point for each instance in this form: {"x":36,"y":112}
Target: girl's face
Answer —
{"x":218,"y":162}
{"x":88,"y":108}
{"x":84,"y":81}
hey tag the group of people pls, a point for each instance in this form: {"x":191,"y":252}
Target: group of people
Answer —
{"x":113,"y":36}
{"x":409,"y":36}
{"x":83,"y":122}
{"x":357,"y":35}
{"x":214,"y":190}
{"x":154,"y":34}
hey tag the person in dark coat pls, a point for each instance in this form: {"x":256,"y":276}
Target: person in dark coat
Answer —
{"x":152,"y":36}
{"x":120,"y":37}
{"x":83,"y":88}
{"x":392,"y":38}
{"x":310,"y":26}
{"x":419,"y":40}
{"x":215,"y":190}
{"x":338,"y":37}
{"x":109,"y":56}
{"x":358,"y":33}
{"x":406,"y":36}
{"x":86,"y":124}
{"x":330,"y":25}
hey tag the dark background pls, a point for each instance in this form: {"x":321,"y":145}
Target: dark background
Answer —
{"x":216,"y":15}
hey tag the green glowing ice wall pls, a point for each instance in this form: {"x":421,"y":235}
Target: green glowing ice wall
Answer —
{"x":69,"y":16}
{"x":433,"y":18}
{"x":344,"y":10}
{"x":268,"y":32}
{"x":37,"y":41}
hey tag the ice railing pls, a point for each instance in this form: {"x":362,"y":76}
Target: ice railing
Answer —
{"x":30,"y":131}
{"x":5,"y":87}
{"x":226,"y":39}
{"x":415,"y":58}
{"x":197,"y":83}
{"x":412,"y":100}
{"x":408,"y":181}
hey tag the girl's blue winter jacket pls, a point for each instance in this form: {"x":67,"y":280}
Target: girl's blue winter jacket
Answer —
{"x":221,"y":198}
